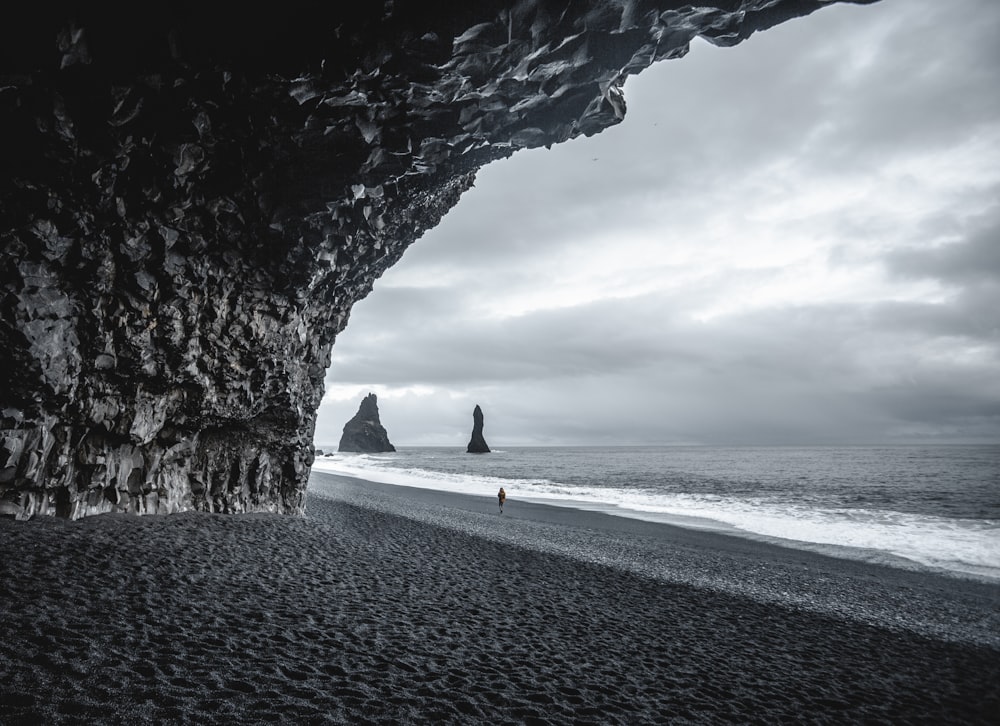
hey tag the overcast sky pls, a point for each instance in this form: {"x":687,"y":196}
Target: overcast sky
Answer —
{"x":793,"y":241}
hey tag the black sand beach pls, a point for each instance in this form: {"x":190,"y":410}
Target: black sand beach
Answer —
{"x":387,"y":604}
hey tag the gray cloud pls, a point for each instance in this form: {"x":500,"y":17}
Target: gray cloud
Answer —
{"x":975,"y":258}
{"x":869,"y":134}
{"x":797,"y":376}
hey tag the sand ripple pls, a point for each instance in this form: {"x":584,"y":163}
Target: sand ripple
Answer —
{"x":353,"y":615}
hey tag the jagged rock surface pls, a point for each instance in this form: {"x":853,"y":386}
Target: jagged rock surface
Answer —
{"x":192,"y":199}
{"x":364,"y":433}
{"x":477,"y":444}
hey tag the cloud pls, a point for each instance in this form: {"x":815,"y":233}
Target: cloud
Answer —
{"x":973,"y":258}
{"x":790,"y":241}
{"x":826,"y":373}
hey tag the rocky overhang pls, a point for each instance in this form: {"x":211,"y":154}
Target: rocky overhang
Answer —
{"x":194,"y":195}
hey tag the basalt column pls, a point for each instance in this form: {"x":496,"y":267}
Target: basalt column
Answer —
{"x":192,"y":199}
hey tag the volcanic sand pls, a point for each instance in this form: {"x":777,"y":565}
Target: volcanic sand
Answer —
{"x":387,"y":604}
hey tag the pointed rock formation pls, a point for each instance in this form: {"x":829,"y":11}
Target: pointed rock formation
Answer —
{"x":364,"y":433}
{"x":477,"y":445}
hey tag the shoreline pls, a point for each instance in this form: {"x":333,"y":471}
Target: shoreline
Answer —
{"x":962,"y":609}
{"x":384,"y":605}
{"x":921,"y":541}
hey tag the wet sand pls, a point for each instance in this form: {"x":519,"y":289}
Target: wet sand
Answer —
{"x":387,"y":604}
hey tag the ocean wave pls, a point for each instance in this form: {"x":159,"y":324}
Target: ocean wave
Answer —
{"x":367,"y":466}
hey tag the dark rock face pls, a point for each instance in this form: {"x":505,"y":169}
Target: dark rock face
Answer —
{"x":192,"y":200}
{"x":364,"y":433}
{"x":477,"y":444}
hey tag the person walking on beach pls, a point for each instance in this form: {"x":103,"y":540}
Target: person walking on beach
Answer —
{"x":502,"y":496}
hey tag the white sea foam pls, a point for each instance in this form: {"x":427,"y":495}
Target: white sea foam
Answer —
{"x":967,"y":546}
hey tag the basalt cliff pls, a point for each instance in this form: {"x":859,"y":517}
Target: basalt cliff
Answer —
{"x":193,"y":196}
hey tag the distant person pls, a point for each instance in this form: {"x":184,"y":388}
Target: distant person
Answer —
{"x":502,"y":496}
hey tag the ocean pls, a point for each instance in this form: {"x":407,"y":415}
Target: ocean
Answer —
{"x":919,"y":507}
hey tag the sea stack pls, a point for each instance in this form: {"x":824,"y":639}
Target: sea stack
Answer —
{"x":364,"y":433}
{"x":477,"y":445}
